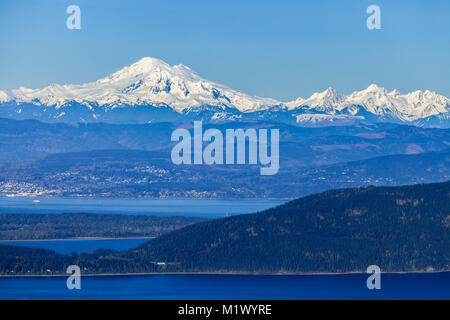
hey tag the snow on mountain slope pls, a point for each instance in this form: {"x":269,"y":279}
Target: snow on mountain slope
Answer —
{"x":4,"y":97}
{"x":152,"y":90}
{"x":149,"y":81}
{"x":408,"y":107}
{"x":377,"y":101}
{"x":312,"y":120}
{"x":325,"y":101}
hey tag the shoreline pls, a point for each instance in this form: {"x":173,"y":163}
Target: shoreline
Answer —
{"x":218,"y":273}
{"x":79,"y":239}
{"x":10,"y":196}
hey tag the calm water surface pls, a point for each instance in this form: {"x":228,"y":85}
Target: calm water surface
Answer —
{"x":184,"y":287}
{"x":79,"y":246}
{"x":161,"y":207}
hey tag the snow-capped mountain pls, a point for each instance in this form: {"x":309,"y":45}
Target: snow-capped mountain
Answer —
{"x":375,"y":103}
{"x":409,"y":107}
{"x":151,"y":90}
{"x":149,"y":81}
{"x":323,"y":101}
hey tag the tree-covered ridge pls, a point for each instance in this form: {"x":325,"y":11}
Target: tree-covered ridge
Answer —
{"x":75,"y":225}
{"x":397,"y":228}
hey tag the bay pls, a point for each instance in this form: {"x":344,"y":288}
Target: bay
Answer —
{"x":261,"y":287}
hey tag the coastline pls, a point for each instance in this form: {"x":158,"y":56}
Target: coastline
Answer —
{"x":219,"y":273}
{"x":97,"y":197}
{"x":78,"y":239}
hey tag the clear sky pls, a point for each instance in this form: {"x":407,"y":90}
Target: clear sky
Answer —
{"x":280,"y":48}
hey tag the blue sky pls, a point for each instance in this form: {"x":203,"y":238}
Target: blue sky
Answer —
{"x":281,"y":49}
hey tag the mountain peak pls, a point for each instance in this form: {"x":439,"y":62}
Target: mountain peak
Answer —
{"x":373,"y":88}
{"x":150,"y":64}
{"x":144,"y":66}
{"x":329,"y":92}
{"x":152,"y":83}
{"x":149,"y":61}
{"x":327,"y":98}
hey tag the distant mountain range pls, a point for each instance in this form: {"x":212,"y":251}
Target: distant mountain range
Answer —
{"x":31,"y":139}
{"x":133,"y":160}
{"x":150,"y":90}
{"x":400,"y":229}
{"x":151,"y":174}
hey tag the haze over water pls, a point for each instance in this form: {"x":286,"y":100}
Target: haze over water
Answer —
{"x":157,"y":207}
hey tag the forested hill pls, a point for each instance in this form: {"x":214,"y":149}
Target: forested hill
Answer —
{"x":397,"y":228}
{"x":33,"y":226}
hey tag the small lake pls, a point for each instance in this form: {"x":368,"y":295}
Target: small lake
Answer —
{"x":194,"y":287}
{"x":79,"y":246}
{"x":158,"y":207}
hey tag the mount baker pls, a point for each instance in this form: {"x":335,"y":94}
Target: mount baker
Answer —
{"x":151,"y":90}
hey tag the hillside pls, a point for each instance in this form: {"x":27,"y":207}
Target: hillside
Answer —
{"x":397,"y":228}
{"x":151,"y":174}
{"x":17,"y":226}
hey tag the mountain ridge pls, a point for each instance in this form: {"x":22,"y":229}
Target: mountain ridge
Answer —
{"x":341,"y":230}
{"x":151,"y":90}
{"x":150,"y":174}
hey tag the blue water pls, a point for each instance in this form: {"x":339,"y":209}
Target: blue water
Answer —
{"x":79,"y":246}
{"x":161,"y":207}
{"x":184,"y":287}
